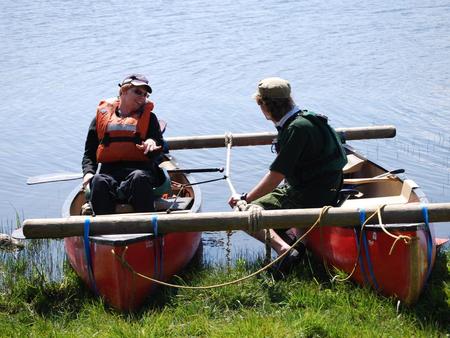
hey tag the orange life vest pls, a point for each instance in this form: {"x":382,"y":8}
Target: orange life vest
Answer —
{"x":118,"y":136}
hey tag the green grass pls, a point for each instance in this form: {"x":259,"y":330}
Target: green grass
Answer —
{"x":305,"y":304}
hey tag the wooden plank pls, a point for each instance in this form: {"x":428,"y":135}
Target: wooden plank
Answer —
{"x":265,"y":138}
{"x":219,"y":221}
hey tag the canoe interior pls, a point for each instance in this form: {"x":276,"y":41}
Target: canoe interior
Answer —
{"x":158,"y":257}
{"x":397,"y":270}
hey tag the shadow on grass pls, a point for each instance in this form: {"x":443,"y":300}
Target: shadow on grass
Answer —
{"x":434,"y":303}
{"x":165,"y":295}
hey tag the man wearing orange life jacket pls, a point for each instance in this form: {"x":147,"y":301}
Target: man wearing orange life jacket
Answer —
{"x":126,"y":139}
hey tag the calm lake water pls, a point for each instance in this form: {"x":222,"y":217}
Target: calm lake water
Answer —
{"x":360,"y":63}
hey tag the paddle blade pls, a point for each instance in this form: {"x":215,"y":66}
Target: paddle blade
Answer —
{"x":54,"y":178}
{"x":18,"y":234}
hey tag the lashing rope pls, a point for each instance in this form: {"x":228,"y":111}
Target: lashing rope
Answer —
{"x":255,"y":222}
{"x":122,"y":259}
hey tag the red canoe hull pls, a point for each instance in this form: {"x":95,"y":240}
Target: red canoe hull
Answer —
{"x":400,"y":273}
{"x":122,"y":289}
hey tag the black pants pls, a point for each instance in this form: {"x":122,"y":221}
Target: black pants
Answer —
{"x":131,"y":186}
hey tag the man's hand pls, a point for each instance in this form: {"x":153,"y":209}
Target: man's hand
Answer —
{"x":148,"y":146}
{"x":232,"y":201}
{"x":87,"y":178}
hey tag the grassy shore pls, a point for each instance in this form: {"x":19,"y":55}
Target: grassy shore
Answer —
{"x":305,"y":304}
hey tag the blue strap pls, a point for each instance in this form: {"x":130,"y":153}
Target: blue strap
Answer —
{"x":362,"y":219}
{"x":362,"y":216}
{"x":357,"y":232}
{"x":155,"y":225}
{"x":369,"y":261}
{"x":429,"y":238}
{"x":156,"y":253}
{"x":161,"y":255}
{"x":87,"y":251}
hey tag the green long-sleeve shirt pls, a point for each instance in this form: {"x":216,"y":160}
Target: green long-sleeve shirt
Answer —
{"x":309,"y":151}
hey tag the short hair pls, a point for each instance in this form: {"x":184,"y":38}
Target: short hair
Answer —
{"x":277,"y":107}
{"x":124,"y":88}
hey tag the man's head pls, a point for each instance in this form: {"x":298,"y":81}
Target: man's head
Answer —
{"x":273,"y":88}
{"x":136,"y":80}
{"x":133,"y":92}
{"x":273,"y":95}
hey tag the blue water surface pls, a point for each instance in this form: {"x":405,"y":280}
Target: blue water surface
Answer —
{"x":361,"y":63}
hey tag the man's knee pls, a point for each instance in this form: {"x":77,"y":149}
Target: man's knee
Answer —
{"x":140,"y":176}
{"x":99,"y":180}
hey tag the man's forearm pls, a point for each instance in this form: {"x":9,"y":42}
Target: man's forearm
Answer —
{"x":267,"y":184}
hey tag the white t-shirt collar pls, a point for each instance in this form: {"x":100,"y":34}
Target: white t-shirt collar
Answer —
{"x":286,"y":117}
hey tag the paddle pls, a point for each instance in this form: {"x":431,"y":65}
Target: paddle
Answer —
{"x":58,"y":177}
{"x":383,"y":177}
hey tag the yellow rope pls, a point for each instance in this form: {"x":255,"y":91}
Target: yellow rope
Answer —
{"x":127,"y":265}
{"x":335,"y":278}
{"x":406,"y":239}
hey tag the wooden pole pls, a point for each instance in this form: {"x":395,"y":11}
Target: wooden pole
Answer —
{"x":264,"y":138}
{"x":217,"y":221}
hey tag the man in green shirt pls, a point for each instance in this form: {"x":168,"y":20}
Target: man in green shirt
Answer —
{"x":309,"y":159}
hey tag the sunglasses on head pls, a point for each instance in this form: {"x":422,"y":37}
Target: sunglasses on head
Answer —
{"x":129,"y":80}
{"x":139,"y":92}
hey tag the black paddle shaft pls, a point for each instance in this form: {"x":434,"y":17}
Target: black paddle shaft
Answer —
{"x":195,"y":170}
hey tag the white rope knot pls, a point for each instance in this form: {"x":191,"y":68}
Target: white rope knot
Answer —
{"x":228,"y":139}
{"x":241,"y":205}
{"x":406,"y":239}
{"x":254,"y":218}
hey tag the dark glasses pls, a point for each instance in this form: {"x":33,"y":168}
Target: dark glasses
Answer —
{"x":139,"y":92}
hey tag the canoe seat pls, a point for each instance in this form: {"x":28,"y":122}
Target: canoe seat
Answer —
{"x":122,"y":208}
{"x":354,"y":164}
{"x":402,"y":198}
{"x":345,"y":194}
{"x":161,"y":204}
{"x":182,"y":203}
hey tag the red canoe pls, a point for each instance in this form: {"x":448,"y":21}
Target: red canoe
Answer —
{"x":397,"y":268}
{"x":159,"y":258}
